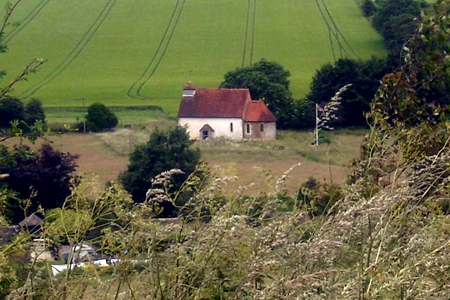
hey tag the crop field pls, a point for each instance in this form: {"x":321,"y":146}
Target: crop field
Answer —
{"x":127,"y":115}
{"x":142,"y":52}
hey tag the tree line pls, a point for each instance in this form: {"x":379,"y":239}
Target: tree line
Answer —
{"x":395,"y":20}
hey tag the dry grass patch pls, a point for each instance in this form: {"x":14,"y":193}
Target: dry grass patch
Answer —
{"x":106,"y":154}
{"x":94,"y":155}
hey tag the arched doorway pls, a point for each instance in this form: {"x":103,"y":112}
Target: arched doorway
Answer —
{"x":206,"y":132}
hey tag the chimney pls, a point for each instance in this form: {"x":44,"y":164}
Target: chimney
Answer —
{"x":189,"y":90}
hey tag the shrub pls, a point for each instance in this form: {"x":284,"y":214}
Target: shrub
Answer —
{"x":99,"y":117}
{"x":324,"y":138}
{"x":34,"y":112}
{"x":11,"y":109}
{"x":318,"y":198}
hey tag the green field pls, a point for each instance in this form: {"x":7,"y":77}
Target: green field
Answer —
{"x":142,"y":52}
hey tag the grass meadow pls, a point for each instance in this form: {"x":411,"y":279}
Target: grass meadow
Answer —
{"x":141,"y":53}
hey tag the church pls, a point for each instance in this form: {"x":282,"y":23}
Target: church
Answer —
{"x":212,"y":113}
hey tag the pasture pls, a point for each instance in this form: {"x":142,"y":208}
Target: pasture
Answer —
{"x":253,"y":162}
{"x":141,"y":53}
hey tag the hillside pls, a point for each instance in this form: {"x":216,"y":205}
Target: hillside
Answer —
{"x":138,"y":52}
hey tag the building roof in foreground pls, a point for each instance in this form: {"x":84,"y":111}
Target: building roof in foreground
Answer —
{"x":31,"y":221}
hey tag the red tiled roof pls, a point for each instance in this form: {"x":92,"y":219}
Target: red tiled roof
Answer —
{"x":215,"y":103}
{"x":257,"y":111}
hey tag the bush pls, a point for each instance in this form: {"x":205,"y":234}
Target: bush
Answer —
{"x":11,"y":109}
{"x":318,"y":198}
{"x":99,"y":117}
{"x":34,"y":112}
{"x":324,"y":138}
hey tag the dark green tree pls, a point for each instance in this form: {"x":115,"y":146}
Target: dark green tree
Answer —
{"x":34,"y":112}
{"x":99,"y":117}
{"x":330,"y":78}
{"x":396,"y":21}
{"x":164,"y":151}
{"x":269,"y":81}
{"x":43,"y":176}
{"x":368,"y":8}
{"x":304,"y":112}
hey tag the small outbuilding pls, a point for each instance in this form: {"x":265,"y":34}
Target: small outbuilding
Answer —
{"x":224,"y":113}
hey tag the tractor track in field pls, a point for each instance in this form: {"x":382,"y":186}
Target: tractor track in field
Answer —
{"x":34,"y":12}
{"x":331,"y":33}
{"x":334,"y":32}
{"x":76,"y":51}
{"x":338,"y":31}
{"x":247,"y":30}
{"x":247,"y":21}
{"x":149,"y":76}
{"x":253,"y":33}
{"x":152,"y":60}
{"x":332,"y":45}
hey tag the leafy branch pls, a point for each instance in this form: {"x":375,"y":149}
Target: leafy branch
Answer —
{"x":9,"y":9}
{"x":29,"y":69}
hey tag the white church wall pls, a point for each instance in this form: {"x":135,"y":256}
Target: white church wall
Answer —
{"x":221,"y":126}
